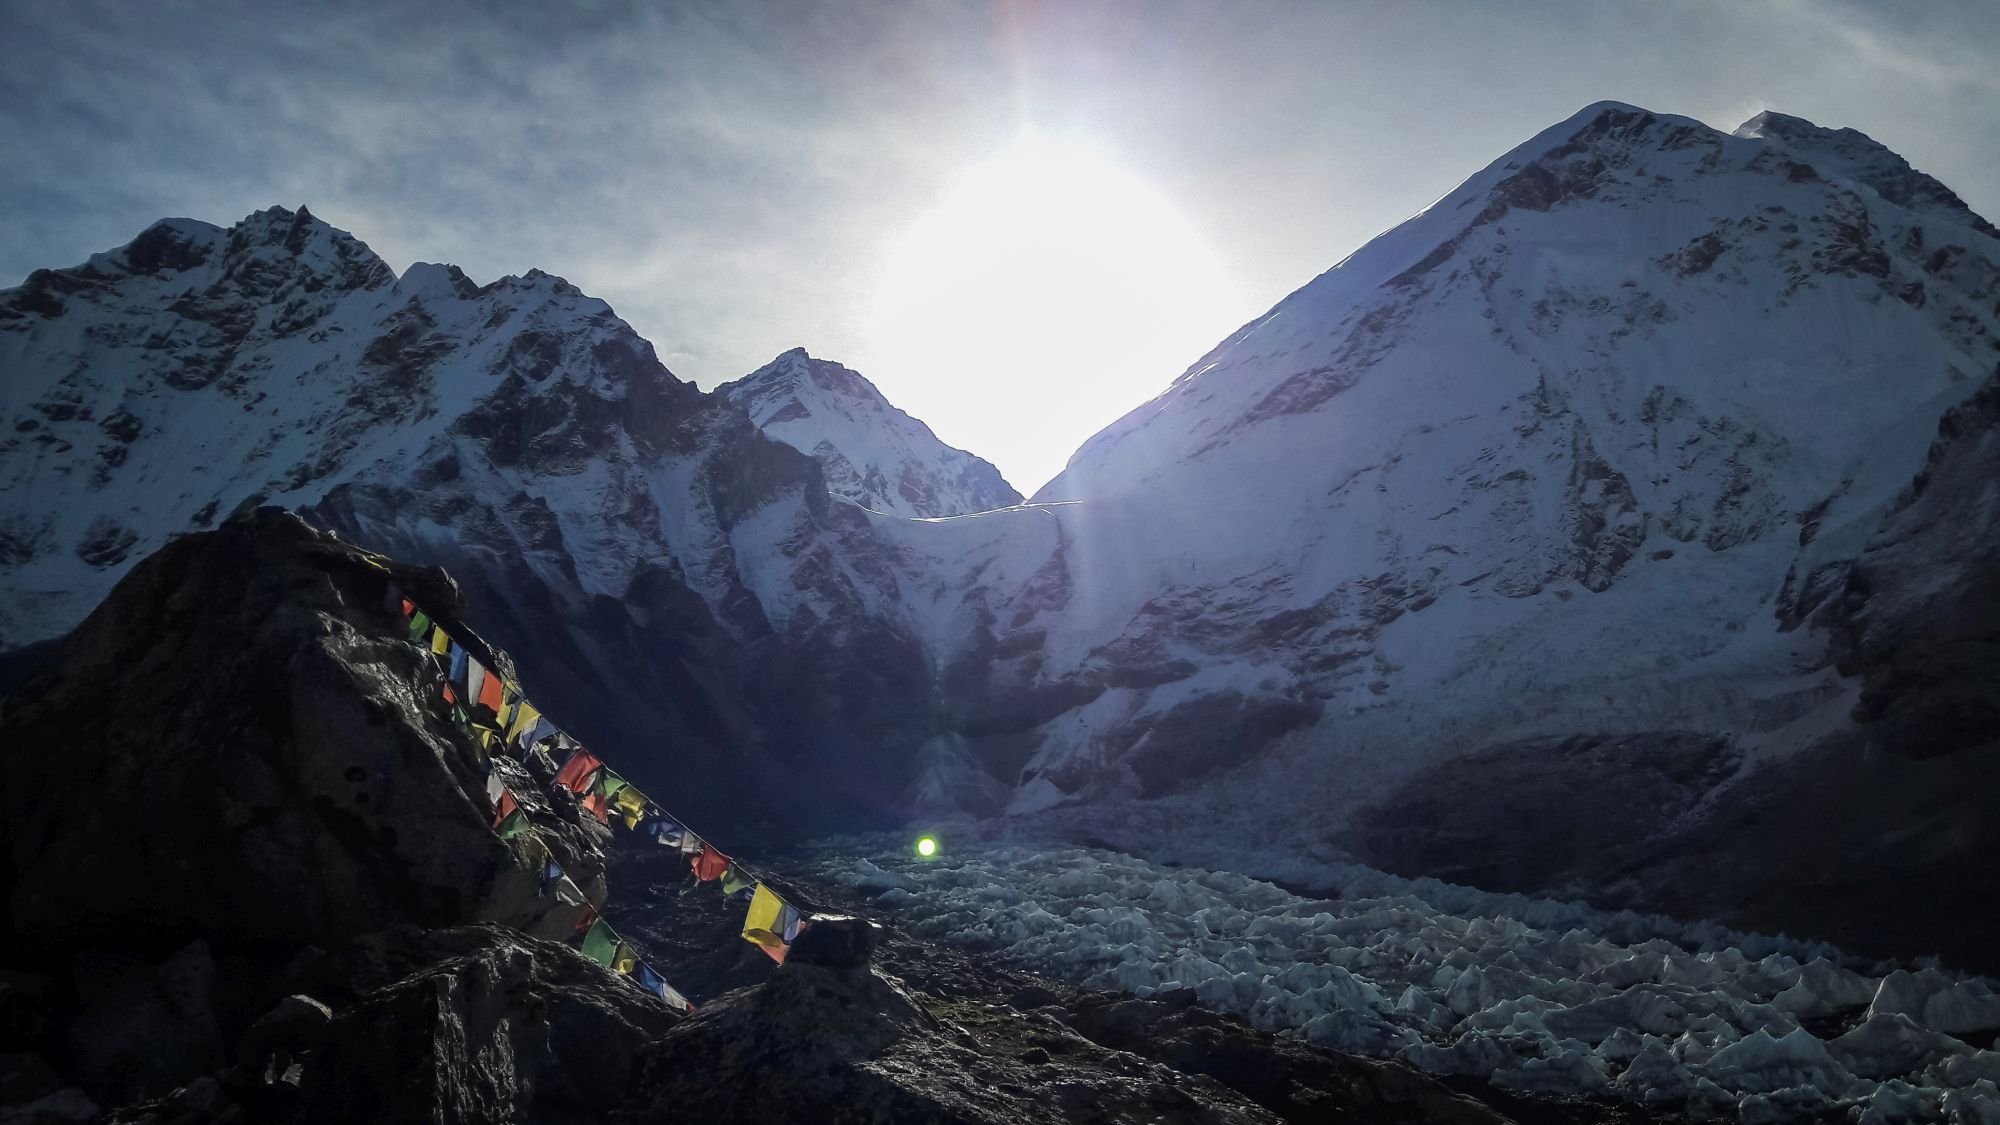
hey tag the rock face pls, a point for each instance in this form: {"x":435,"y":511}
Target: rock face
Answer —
{"x":238,"y":746}
{"x":868,"y":451}
{"x":490,"y":1026}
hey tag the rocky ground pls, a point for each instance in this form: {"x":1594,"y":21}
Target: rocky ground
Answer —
{"x":249,"y":877}
{"x":969,"y":1039}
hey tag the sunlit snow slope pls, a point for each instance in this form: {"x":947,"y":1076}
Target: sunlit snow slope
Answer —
{"x":1573,"y":449}
{"x":869,"y":451}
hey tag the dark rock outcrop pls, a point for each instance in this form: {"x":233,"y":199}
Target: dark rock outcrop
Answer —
{"x":1919,"y":618}
{"x":489,"y":1026}
{"x":241,"y":746}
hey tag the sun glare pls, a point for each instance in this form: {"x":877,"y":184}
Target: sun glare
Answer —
{"x":1045,"y":295}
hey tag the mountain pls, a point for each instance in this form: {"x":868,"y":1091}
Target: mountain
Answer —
{"x":674,"y":580}
{"x":868,"y":451}
{"x":1538,"y":460}
{"x":1556,"y":528}
{"x":1515,"y":547}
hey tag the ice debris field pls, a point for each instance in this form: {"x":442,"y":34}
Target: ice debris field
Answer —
{"x":1535,"y":994}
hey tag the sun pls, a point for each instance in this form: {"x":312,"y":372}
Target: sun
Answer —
{"x":1047,"y":293}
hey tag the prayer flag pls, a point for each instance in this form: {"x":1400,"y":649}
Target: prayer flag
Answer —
{"x":492,"y":692}
{"x":440,"y":642}
{"x":764,"y":924}
{"x":596,"y":806}
{"x":536,"y":731}
{"x":632,"y":804}
{"x":575,"y":774}
{"x":494,"y":786}
{"x":708,"y":864}
{"x":459,"y":659}
{"x":650,"y":980}
{"x":409,"y":609}
{"x":524,"y":718}
{"x":584,"y":920}
{"x":600,"y":944}
{"x":608,"y":784}
{"x":624,"y":960}
{"x":420,"y":626}
{"x":551,"y":871}
{"x":475,"y":678}
{"x":506,"y":807}
{"x":735,"y":879}
{"x":515,"y":824}
{"x":665,"y":830}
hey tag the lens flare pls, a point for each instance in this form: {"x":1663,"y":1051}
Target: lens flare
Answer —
{"x":927,"y":846}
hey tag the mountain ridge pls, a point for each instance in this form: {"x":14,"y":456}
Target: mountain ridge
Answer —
{"x":1587,"y":448}
{"x":871,"y":452}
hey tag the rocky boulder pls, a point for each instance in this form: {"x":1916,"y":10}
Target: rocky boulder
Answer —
{"x":241,"y":746}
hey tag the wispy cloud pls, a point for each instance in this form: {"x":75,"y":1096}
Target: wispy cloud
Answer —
{"x":733,"y":177}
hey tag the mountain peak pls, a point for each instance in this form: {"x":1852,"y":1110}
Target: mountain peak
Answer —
{"x":1854,"y":155}
{"x":869,"y":451}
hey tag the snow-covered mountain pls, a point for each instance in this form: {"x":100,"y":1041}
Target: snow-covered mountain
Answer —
{"x":1565,"y":477}
{"x":655,"y":557}
{"x":868,"y":451}
{"x":1539,"y":459}
{"x":1548,"y":492}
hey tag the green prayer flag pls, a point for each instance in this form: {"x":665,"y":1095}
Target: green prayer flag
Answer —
{"x":734,"y":879}
{"x":600,"y":944}
{"x":608,"y":784}
{"x":515,"y":824}
{"x":420,"y":627}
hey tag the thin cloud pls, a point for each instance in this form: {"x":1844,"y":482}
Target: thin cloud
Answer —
{"x":734,"y":178}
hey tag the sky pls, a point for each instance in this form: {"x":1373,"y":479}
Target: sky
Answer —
{"x":1020,"y":220}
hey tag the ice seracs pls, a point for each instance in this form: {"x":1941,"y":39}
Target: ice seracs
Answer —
{"x":1537,"y":995}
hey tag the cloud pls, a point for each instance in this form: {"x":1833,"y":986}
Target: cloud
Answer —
{"x":733,"y":178}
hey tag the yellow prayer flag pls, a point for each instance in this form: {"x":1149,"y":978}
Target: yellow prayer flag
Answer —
{"x":440,"y":643}
{"x":761,"y":923}
{"x":632,"y":803}
{"x":624,"y":960}
{"x":524,"y":717}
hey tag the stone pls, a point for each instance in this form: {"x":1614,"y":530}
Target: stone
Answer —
{"x":835,"y":942}
{"x":275,"y":773}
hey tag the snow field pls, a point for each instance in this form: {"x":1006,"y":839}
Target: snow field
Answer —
{"x":1533,"y":994}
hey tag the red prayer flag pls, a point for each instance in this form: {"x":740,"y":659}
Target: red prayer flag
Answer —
{"x":588,"y":919}
{"x":409,"y":607}
{"x":507,"y":805}
{"x":490,"y":692}
{"x":576,"y":773}
{"x":597,"y":806}
{"x":450,"y":696}
{"x":708,"y":864}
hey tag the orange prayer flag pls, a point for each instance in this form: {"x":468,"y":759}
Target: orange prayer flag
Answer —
{"x":490,"y":692}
